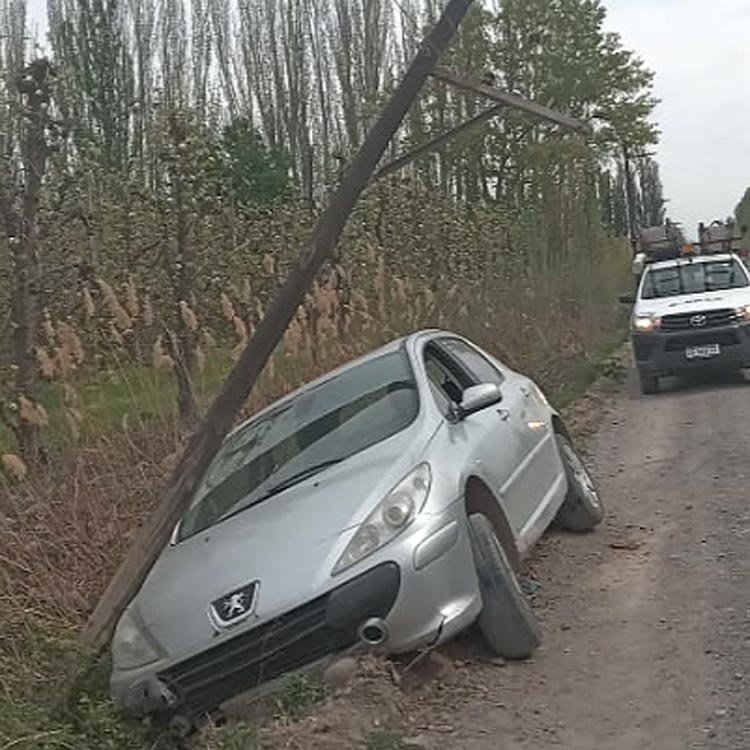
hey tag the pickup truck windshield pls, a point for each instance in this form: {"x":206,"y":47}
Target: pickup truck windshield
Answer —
{"x":322,"y":426}
{"x":693,"y":278}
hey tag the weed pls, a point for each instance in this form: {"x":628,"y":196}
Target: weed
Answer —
{"x":611,"y":368}
{"x":386,"y":739}
{"x":297,"y":696}
{"x":231,"y":736}
{"x":55,"y":696}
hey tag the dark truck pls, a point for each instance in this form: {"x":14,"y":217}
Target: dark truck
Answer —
{"x":654,"y":244}
{"x":720,"y":237}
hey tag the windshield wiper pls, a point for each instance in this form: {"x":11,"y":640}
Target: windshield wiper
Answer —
{"x":290,"y":481}
{"x":300,"y":476}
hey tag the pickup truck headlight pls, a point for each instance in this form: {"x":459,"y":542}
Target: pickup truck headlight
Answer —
{"x":743,"y":313}
{"x":646,"y":322}
{"x":391,"y":516}
{"x":130,"y":649}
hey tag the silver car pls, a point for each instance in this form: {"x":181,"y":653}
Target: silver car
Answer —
{"x":384,"y":504}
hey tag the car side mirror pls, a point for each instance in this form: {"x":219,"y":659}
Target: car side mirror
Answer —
{"x":627,"y":299}
{"x":478,"y":397}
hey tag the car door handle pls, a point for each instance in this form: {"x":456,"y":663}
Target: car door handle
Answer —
{"x":504,"y":414}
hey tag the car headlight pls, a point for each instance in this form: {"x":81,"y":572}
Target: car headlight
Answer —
{"x":743,"y":313}
{"x":646,"y":322}
{"x":391,"y":516}
{"x":130,"y":649}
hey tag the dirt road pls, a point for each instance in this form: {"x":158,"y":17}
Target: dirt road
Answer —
{"x":647,"y":643}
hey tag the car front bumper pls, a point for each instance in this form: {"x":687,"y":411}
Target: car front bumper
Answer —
{"x":424,"y":587}
{"x":663,"y":352}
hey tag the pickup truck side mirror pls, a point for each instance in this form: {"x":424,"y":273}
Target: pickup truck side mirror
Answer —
{"x":627,"y":299}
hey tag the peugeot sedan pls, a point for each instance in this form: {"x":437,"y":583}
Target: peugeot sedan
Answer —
{"x":385,"y":504}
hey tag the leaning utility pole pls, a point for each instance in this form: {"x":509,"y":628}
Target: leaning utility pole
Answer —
{"x":325,"y":235}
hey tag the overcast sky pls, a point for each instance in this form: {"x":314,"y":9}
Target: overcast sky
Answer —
{"x":700,"y":51}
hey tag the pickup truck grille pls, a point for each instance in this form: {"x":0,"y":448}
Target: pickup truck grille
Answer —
{"x":698,"y":320}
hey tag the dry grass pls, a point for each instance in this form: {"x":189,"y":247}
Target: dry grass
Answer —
{"x":64,"y":528}
{"x":108,"y":418}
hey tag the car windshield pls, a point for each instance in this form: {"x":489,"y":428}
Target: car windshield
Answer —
{"x":693,"y":278}
{"x":338,"y":418}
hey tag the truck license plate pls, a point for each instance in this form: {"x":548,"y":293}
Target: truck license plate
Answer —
{"x":703,"y":352}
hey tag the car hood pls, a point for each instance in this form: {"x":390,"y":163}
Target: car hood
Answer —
{"x":289,"y":544}
{"x":687,"y":303}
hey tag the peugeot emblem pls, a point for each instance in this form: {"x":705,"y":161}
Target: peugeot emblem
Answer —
{"x":234,"y":606}
{"x":698,"y":321}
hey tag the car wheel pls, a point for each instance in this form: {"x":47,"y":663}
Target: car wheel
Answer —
{"x":506,"y":620}
{"x":582,"y":509}
{"x":649,"y":383}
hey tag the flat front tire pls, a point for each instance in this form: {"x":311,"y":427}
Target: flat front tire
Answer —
{"x":506,"y":621}
{"x":582,"y":509}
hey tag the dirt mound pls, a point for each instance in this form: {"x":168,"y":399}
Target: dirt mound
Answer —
{"x":382,"y":698}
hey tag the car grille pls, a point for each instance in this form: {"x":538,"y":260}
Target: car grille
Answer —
{"x":723,"y":338}
{"x":712,"y":319}
{"x":320,"y":627}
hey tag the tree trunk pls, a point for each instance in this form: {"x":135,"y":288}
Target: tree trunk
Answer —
{"x":182,"y":276}
{"x":185,"y":340}
{"x":23,"y":237}
{"x":223,"y":412}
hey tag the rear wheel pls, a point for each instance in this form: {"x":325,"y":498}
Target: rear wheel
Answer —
{"x":649,"y":382}
{"x":506,"y":620}
{"x":582,"y":509}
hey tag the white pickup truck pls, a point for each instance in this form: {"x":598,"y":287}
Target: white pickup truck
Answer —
{"x":690,"y":313}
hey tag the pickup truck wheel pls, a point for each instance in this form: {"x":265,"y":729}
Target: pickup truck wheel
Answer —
{"x":506,"y":621}
{"x":582,"y":509}
{"x":649,"y":383}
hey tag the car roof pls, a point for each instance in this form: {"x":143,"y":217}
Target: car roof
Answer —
{"x":690,"y":260}
{"x":391,"y":346}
